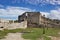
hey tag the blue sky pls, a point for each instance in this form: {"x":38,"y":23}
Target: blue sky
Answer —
{"x":10,"y":9}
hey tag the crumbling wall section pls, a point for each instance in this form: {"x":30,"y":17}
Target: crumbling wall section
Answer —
{"x":13,"y":25}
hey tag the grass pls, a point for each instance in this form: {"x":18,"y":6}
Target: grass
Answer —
{"x":46,"y":38}
{"x":13,"y":30}
{"x":52,"y":32}
{"x":2,"y":34}
{"x":38,"y":33}
{"x":6,"y":31}
{"x":33,"y":33}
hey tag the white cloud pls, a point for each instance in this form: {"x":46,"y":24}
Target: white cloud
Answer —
{"x":33,"y":1}
{"x":54,"y":14}
{"x":54,"y":2}
{"x":1,"y":6}
{"x":45,"y":13}
{"x":36,"y":2}
{"x":13,"y":11}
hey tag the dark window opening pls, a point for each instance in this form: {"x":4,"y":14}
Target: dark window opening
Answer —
{"x":1,"y":27}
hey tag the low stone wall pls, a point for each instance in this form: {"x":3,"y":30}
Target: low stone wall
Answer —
{"x":13,"y":25}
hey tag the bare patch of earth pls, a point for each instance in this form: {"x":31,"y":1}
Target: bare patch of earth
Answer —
{"x":54,"y":38}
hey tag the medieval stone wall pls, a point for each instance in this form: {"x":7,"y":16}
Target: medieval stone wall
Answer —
{"x":49,"y":22}
{"x":35,"y":19}
{"x":13,"y":25}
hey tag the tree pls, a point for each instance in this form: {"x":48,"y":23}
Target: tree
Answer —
{"x":44,"y":25}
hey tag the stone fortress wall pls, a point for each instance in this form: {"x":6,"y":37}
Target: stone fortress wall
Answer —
{"x":29,"y":19}
{"x":13,"y":25}
{"x":35,"y":19}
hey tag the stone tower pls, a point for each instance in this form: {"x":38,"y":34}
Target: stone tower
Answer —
{"x":32,"y":18}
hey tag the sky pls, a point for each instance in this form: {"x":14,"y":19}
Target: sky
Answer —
{"x":10,"y":9}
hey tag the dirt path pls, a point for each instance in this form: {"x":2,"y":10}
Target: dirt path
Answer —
{"x":54,"y":38}
{"x":14,"y":36}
